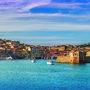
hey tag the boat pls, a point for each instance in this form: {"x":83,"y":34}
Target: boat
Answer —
{"x":33,"y":60}
{"x":50,"y":62}
{"x":9,"y":58}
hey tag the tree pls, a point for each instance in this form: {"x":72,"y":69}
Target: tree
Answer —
{"x":89,"y":44}
{"x":85,"y":45}
{"x":18,"y":42}
{"x":23,"y":43}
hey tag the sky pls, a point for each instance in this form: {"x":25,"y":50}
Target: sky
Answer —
{"x":45,"y":22}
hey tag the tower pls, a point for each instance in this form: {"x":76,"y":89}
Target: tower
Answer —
{"x":77,"y":57}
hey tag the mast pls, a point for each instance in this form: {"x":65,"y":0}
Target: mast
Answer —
{"x":49,"y":53}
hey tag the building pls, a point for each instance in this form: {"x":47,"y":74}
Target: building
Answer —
{"x":14,"y":43}
{"x":77,"y":57}
{"x":35,"y":52}
{"x":88,"y":57}
{"x":4,"y":53}
{"x":20,"y":54}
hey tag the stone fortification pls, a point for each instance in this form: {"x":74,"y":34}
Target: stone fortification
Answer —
{"x":75,"y":57}
{"x":63,"y":59}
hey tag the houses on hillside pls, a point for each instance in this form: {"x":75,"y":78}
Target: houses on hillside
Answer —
{"x":17,"y":50}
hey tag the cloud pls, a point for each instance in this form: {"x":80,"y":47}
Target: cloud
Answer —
{"x":34,"y":37}
{"x":23,"y":5}
{"x":36,"y":4}
{"x":75,"y":5}
{"x":6,"y":16}
{"x":42,"y":40}
{"x":65,"y":5}
{"x":26,"y":5}
{"x":43,"y":26}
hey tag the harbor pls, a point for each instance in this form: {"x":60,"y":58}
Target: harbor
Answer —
{"x":25,"y":75}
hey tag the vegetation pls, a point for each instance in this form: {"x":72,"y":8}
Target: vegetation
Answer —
{"x":18,"y":42}
{"x":84,"y":45}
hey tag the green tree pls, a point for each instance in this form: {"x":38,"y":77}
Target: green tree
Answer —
{"x":85,"y":45}
{"x":18,"y":42}
{"x":89,"y":44}
{"x":23,"y":43}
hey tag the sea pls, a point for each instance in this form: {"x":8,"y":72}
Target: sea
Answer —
{"x":25,"y":75}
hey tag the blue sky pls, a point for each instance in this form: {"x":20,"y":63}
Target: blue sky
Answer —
{"x":45,"y":22}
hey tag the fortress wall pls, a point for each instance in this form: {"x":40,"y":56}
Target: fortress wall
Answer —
{"x":63,"y":59}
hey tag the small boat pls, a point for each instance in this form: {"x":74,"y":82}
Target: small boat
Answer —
{"x":50,"y":62}
{"x":33,"y":60}
{"x":9,"y":58}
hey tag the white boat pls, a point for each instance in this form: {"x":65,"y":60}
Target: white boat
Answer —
{"x":50,"y":62}
{"x":33,"y":60}
{"x":9,"y":58}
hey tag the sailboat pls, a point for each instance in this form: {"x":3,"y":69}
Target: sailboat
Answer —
{"x":50,"y":62}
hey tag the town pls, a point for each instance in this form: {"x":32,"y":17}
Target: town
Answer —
{"x":63,"y":53}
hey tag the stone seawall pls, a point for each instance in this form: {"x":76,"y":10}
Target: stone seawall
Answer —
{"x":63,"y":59}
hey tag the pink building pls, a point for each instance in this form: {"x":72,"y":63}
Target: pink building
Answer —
{"x":14,"y":43}
{"x":54,"y":54}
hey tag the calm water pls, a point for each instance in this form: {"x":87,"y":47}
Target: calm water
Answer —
{"x":24,"y":75}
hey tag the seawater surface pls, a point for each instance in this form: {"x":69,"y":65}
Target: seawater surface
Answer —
{"x":25,"y":75}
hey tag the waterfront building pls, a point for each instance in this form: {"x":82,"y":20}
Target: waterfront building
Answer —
{"x":4,"y":52}
{"x":13,"y":52}
{"x":88,"y":56}
{"x":35,"y":52}
{"x":77,"y":57}
{"x":42,"y":54}
{"x":21,"y":53}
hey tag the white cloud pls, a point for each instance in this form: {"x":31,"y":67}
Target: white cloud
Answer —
{"x":7,"y":15}
{"x":33,"y":37}
{"x":42,"y":40}
{"x":75,"y":5}
{"x":36,"y":4}
{"x":21,"y":4}
{"x":26,"y":5}
{"x":37,"y":20}
{"x":43,"y":26}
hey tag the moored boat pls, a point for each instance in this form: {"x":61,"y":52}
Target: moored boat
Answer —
{"x":9,"y":58}
{"x":33,"y":60}
{"x":50,"y":62}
